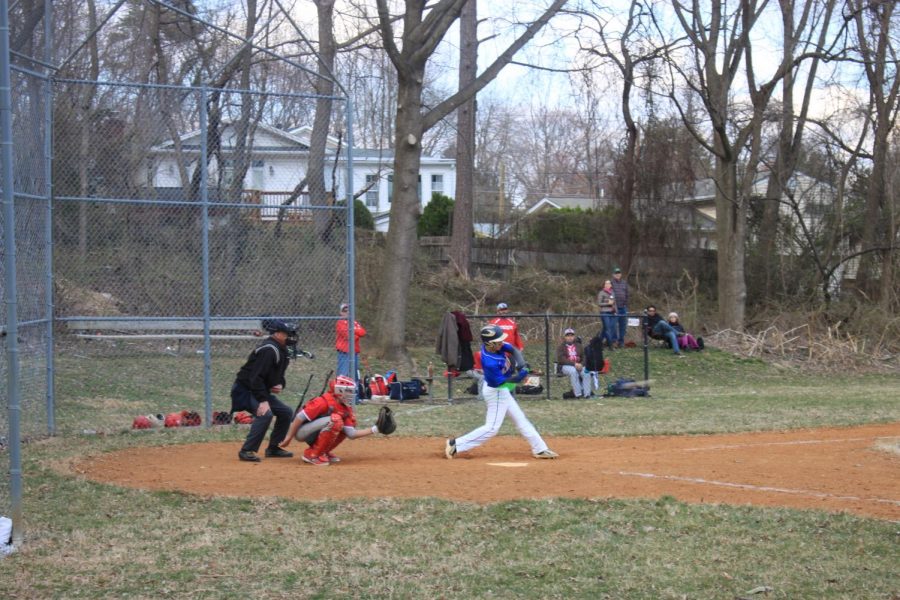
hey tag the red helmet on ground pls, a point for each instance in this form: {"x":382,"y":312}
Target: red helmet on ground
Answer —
{"x":173,"y":420}
{"x":344,"y":389}
{"x":141,"y":423}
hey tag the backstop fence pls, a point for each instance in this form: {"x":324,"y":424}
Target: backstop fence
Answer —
{"x":144,"y":223}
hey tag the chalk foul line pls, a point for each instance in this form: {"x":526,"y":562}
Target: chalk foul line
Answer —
{"x":754,"y":488}
{"x":790,"y":443}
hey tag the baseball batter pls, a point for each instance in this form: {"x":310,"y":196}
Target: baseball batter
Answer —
{"x":503,"y":366}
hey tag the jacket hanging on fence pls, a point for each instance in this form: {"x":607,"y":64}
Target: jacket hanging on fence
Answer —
{"x":454,"y":349}
{"x":464,"y":333}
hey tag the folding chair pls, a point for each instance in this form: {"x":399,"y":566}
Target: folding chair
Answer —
{"x":601,"y":376}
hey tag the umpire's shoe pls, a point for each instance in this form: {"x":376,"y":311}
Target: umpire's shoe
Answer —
{"x":278,"y":453}
{"x":248,"y":456}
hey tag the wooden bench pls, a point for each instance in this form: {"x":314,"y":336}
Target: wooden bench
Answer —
{"x":158,"y":329}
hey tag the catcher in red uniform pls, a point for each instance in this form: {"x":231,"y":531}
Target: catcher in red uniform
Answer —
{"x":327,"y":420}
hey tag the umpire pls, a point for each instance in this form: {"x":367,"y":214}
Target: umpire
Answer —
{"x":255,"y":387}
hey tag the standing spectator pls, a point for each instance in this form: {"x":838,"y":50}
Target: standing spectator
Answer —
{"x":255,"y":386}
{"x":508,"y":325}
{"x":620,"y":289}
{"x":342,"y":343}
{"x":570,"y":357}
{"x":685,"y":340}
{"x":659,"y":329}
{"x":607,"y":300}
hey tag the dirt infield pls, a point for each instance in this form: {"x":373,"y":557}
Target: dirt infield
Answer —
{"x":823,"y":469}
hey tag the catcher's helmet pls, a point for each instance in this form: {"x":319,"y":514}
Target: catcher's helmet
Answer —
{"x":492,"y":333}
{"x":344,"y":389}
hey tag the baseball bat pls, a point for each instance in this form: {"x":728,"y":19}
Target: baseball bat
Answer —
{"x":637,"y":384}
{"x":303,"y":395}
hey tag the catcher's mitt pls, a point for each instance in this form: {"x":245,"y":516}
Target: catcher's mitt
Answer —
{"x":385,"y":422}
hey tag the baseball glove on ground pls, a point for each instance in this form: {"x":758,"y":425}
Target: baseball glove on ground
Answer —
{"x":385,"y":422}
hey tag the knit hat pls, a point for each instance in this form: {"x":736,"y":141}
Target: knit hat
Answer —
{"x":673,"y":314}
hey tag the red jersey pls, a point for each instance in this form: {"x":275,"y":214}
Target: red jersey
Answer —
{"x":325,"y":405}
{"x":341,"y":341}
{"x":511,"y":329}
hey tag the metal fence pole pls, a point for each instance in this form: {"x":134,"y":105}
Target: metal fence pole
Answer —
{"x":351,"y":256}
{"x":10,"y":292}
{"x":204,"y":251}
{"x":48,"y":222}
{"x":547,"y":352}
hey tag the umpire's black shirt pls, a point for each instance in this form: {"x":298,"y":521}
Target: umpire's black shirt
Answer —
{"x":264,"y":369}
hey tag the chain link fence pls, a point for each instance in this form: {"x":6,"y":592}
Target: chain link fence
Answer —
{"x":541,"y":335}
{"x":176,"y":204}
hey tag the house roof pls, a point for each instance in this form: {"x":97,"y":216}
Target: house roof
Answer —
{"x":551,"y":202}
{"x":279,"y":140}
{"x":275,"y":140}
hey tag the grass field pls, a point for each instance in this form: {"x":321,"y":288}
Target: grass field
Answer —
{"x":91,"y":540}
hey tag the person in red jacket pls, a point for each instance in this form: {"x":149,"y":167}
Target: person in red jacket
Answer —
{"x":326,"y":421}
{"x":342,"y":342}
{"x":508,"y":325}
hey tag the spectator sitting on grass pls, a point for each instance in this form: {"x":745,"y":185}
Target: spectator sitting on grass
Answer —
{"x":659,"y":329}
{"x":685,"y":340}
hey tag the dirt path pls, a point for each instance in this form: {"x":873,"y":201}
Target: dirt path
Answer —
{"x":823,"y":469}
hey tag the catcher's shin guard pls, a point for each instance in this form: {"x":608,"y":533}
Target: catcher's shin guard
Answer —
{"x":337,"y":442}
{"x":328,"y":437}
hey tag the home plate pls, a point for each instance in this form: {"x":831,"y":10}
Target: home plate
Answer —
{"x":508,"y":464}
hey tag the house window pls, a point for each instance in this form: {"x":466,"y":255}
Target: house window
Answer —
{"x":390,"y":188}
{"x":256,"y":175}
{"x":437,"y":184}
{"x":372,"y":192}
{"x":227,"y":172}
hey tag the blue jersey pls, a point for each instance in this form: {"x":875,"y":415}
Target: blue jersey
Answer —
{"x":500,"y":366}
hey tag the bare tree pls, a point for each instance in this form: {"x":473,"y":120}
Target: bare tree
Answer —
{"x":422,"y":32}
{"x":799,"y":31}
{"x":875,"y":39}
{"x":720,"y":49}
{"x":628,"y":50}
{"x":462,"y":229}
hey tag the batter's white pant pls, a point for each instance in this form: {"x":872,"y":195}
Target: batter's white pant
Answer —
{"x":581,"y":381}
{"x":500,"y":403}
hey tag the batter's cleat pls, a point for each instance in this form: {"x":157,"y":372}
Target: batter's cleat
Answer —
{"x":332,"y":458}
{"x":319,"y":461}
{"x":248,"y":456}
{"x":278,"y":453}
{"x":450,"y":448}
{"x":548,"y":453}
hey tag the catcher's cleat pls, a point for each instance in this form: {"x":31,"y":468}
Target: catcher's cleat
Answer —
{"x":332,"y":458}
{"x":548,"y":453}
{"x":319,"y":461}
{"x":278,"y":453}
{"x":248,"y":456}
{"x":450,"y":448}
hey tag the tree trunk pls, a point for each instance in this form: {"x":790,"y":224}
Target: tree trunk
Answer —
{"x":318,"y":194}
{"x":390,"y":321}
{"x":731,"y":224}
{"x":462,"y":230}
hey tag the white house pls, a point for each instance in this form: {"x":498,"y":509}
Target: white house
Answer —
{"x":278,"y":162}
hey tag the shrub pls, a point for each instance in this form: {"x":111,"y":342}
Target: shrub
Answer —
{"x":436,"y":217}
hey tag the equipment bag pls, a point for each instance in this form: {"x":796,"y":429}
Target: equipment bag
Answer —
{"x":625,"y":388}
{"x":377,"y":386}
{"x":407,"y":390}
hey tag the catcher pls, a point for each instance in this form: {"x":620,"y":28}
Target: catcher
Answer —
{"x":326,"y":421}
